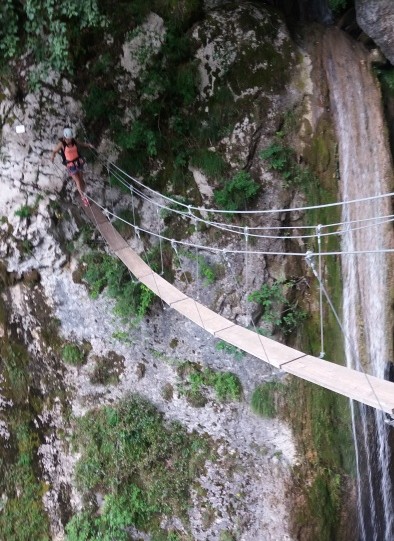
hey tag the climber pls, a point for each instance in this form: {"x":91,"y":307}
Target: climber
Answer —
{"x":68,"y":149}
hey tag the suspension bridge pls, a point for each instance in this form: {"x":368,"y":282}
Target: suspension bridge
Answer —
{"x":370,"y":390}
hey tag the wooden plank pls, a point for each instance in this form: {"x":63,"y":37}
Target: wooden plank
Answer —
{"x":162,"y":288}
{"x":369,"y":390}
{"x":261,"y":347}
{"x":95,"y":214}
{"x":114,"y":239}
{"x":133,"y":262}
{"x":202,"y":316}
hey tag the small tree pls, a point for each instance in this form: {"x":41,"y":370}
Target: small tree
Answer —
{"x":46,"y":29}
{"x":238,"y":192}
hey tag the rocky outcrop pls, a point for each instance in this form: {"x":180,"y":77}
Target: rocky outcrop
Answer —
{"x":376,"y":19}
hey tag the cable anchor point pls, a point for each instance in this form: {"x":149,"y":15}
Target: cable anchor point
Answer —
{"x":309,"y":255}
{"x":318,"y":235}
{"x":174,"y":246}
{"x":225,"y":256}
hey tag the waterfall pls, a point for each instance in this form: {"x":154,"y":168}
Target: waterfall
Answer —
{"x":365,"y":170}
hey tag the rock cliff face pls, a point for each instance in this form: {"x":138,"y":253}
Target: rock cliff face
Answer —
{"x":65,"y":355}
{"x":377,"y":21}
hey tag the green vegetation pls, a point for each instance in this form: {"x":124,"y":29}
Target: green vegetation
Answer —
{"x":178,"y":206}
{"x":238,"y":193}
{"x":46,"y":30}
{"x":320,"y":419}
{"x":171,"y":126}
{"x":207,"y":271}
{"x":265,"y":397}
{"x":283,"y":159}
{"x":209,"y":162}
{"x":15,"y":361}
{"x":143,"y":466}
{"x":225,"y":535}
{"x":388,"y":78}
{"x":166,"y":90}
{"x":122,"y":336}
{"x":72,"y":354}
{"x":338,"y":6}
{"x":226,"y":385}
{"x":107,"y":370}
{"x":324,"y":433}
{"x":106,"y":272}
{"x":277,"y":309}
{"x":22,"y":516}
{"x":125,"y":221}
{"x":221,"y":345}
{"x":159,"y":258}
{"x":325,"y":438}
{"x":25,"y":211}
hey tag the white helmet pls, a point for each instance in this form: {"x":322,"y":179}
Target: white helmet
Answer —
{"x":68,"y":133}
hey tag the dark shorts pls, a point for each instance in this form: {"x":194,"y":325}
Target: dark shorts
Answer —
{"x":76,"y":166}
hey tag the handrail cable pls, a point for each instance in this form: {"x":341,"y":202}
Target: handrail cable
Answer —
{"x":265,"y":211}
{"x":228,"y":227}
{"x":261,"y":252}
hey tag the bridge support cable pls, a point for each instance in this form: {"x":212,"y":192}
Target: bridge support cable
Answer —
{"x":318,"y":235}
{"x":196,"y":304}
{"x":133,"y":207}
{"x":246,"y":235}
{"x":160,"y":240}
{"x":249,"y":252}
{"x":122,"y":176}
{"x":309,"y":258}
{"x":137,"y":233}
{"x":248,"y":304}
{"x":265,"y":353}
{"x":195,"y":223}
{"x":255,"y":212}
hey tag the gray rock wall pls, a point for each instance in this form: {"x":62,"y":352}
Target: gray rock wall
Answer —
{"x":376,"y":19}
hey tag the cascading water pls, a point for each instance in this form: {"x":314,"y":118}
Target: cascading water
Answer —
{"x":365,"y":170}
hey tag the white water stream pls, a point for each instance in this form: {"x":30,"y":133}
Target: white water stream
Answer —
{"x":365,"y":170}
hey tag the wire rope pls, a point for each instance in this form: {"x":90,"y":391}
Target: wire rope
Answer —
{"x":254,"y":212}
{"x":320,"y":295}
{"x":230,"y":228}
{"x":196,"y":304}
{"x":261,"y":252}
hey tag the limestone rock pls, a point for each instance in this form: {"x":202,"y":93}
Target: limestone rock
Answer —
{"x":377,"y":20}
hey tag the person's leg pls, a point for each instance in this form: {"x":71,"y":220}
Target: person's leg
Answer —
{"x":77,"y":175}
{"x":80,"y":184}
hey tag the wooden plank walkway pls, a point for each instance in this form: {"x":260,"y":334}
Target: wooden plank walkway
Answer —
{"x":356,"y":385}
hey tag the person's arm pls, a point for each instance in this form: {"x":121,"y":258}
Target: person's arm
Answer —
{"x":56,"y":150}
